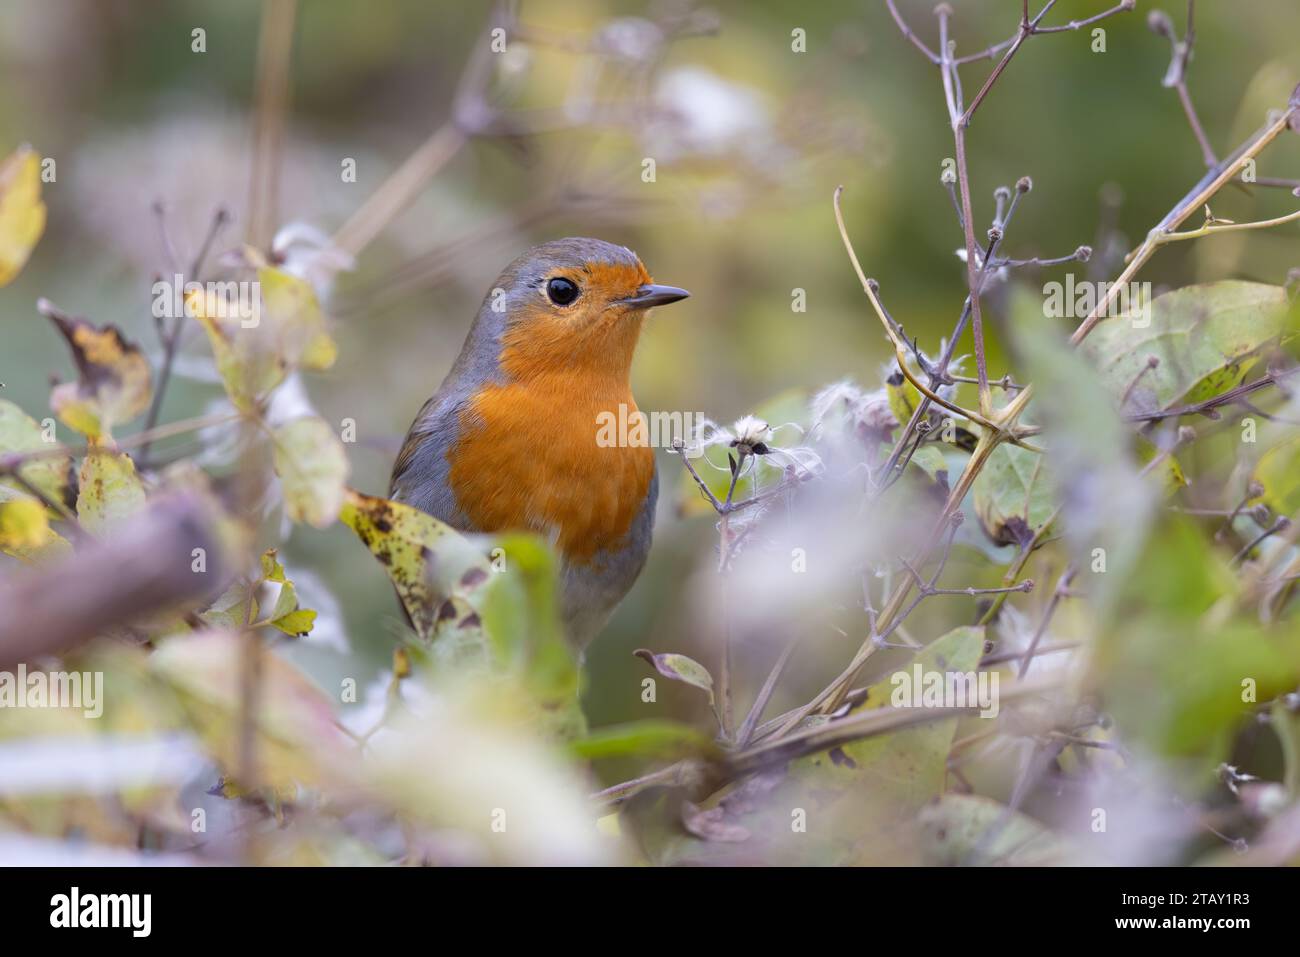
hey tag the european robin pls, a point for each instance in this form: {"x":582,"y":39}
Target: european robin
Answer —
{"x":509,"y":440}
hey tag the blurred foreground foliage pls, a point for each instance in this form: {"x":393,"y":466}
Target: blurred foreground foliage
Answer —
{"x":1126,"y":569}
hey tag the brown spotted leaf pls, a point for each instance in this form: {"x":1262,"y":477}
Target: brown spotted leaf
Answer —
{"x":435,"y":569}
{"x":109,"y":492}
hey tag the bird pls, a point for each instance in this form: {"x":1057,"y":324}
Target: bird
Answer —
{"x":509,"y":441}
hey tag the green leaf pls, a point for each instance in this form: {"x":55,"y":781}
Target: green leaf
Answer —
{"x":909,"y":766}
{"x":1105,"y":504}
{"x":1168,"y":473}
{"x":1013,"y":494}
{"x":109,"y":492}
{"x":235,"y":608}
{"x":250,"y":366}
{"x":520,"y":614}
{"x":903,"y":396}
{"x":1278,"y":471}
{"x":1172,"y":631}
{"x":272,"y":569}
{"x":930,"y":460}
{"x":968,"y":830}
{"x":1204,"y":338}
{"x":20,"y":433}
{"x":313,"y":467}
{"x":283,"y":330}
{"x":296,"y":623}
{"x":680,"y":668}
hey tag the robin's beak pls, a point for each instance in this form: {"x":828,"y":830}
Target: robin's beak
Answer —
{"x":654,"y":294}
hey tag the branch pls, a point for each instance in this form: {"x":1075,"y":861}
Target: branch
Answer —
{"x":105,"y":585}
{"x":1199,"y":196}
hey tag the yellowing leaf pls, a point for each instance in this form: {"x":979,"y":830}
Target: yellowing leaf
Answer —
{"x":290,"y":307}
{"x":25,"y":531}
{"x":260,"y":331}
{"x":903,"y":396}
{"x":247,"y":362}
{"x":288,"y":616}
{"x":22,"y":213}
{"x":110,"y":490}
{"x":312,"y":466}
{"x":1167,"y":472}
{"x":23,"y":525}
{"x":296,"y":623}
{"x":20,"y":433}
{"x":272,"y":568}
{"x":113,"y":384}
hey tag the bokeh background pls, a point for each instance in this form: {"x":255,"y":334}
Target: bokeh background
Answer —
{"x":750,"y":138}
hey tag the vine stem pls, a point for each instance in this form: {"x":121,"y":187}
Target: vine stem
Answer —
{"x":1201,"y":194}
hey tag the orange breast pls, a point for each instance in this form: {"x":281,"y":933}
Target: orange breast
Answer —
{"x":528,"y":458}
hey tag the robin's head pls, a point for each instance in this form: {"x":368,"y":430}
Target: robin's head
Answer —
{"x":572,"y":304}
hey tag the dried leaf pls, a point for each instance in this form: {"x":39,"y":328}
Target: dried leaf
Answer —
{"x":292,"y":312}
{"x":113,"y":384}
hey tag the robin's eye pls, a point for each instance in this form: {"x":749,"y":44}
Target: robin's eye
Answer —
{"x":561,"y":291}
